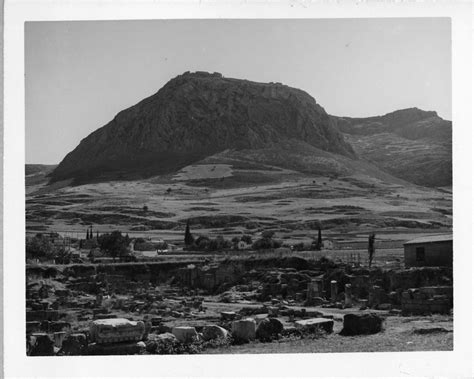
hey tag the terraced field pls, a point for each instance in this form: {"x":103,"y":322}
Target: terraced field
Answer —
{"x":242,"y":199}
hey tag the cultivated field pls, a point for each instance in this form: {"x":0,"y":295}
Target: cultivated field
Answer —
{"x":244,"y":201}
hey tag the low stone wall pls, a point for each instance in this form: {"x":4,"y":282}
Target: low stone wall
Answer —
{"x":427,"y":300}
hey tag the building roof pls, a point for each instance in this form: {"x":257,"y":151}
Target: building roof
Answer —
{"x":429,"y":239}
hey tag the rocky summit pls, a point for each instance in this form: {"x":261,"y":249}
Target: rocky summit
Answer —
{"x":196,"y":115}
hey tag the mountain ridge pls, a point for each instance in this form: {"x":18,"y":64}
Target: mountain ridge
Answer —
{"x":197,"y":115}
{"x":411,"y":144}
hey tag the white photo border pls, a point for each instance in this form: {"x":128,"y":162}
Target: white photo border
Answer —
{"x":454,"y":363}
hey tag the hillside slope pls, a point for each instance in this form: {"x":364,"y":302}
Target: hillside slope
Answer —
{"x":411,"y":144}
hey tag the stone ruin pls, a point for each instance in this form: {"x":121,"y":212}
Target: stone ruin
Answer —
{"x":135,"y":309}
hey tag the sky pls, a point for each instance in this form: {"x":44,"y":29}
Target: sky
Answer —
{"x":80,"y":74}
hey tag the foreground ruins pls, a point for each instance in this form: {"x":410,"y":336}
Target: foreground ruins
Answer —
{"x":234,"y":306}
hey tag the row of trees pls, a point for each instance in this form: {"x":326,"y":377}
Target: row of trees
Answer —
{"x":266,"y":242}
{"x":114,"y":244}
{"x":90,"y":234}
{"x":41,"y":247}
{"x":220,"y":243}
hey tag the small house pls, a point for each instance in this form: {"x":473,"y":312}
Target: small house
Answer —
{"x":242,"y":245}
{"x":436,"y":250}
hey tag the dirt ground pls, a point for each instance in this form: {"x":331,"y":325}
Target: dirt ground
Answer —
{"x":400,"y":334}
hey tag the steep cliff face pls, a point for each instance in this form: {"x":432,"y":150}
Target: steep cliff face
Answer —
{"x":194,"y":116}
{"x":411,"y":144}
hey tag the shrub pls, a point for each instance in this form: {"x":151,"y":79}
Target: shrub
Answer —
{"x":40,"y":247}
{"x":173,"y":347}
{"x":266,"y":243}
{"x":268,"y":234}
{"x":247,"y":239}
{"x":114,"y":244}
{"x":220,"y":243}
{"x":202,"y":243}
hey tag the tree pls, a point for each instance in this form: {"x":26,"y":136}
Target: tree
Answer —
{"x":188,"y":237}
{"x":114,"y":244}
{"x":40,"y":247}
{"x":319,"y":244}
{"x":266,"y":243}
{"x":371,"y":248}
{"x":202,"y":242}
{"x":247,"y":239}
{"x":268,"y":234}
{"x":219,"y":243}
{"x":87,"y":234}
{"x":145,"y":208}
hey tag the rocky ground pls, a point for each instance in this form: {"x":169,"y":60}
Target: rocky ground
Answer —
{"x":229,"y":308}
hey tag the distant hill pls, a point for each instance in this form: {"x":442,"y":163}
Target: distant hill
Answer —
{"x":196,"y":115}
{"x":411,"y":144}
{"x":36,"y":169}
{"x":37,"y":175}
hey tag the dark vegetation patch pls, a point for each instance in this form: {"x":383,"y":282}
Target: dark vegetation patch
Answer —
{"x":75,"y":196}
{"x":237,"y":180}
{"x":358,"y":183}
{"x":446,"y":212}
{"x":202,"y":209}
{"x":101,"y":219}
{"x":338,"y":209}
{"x":353,"y":222}
{"x":135,"y":211}
{"x":47,"y":202}
{"x":404,"y":214}
{"x":216,"y":221}
{"x":242,"y":165}
{"x":305,"y":193}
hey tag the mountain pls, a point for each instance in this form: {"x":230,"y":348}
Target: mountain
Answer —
{"x":411,"y":144}
{"x":194,"y":116}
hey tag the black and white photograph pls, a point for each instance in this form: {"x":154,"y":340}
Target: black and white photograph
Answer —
{"x":238,"y":186}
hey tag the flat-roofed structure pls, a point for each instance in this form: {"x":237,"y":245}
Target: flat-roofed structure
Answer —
{"x":435,"y":250}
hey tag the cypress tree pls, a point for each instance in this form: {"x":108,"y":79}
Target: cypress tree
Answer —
{"x":188,"y":237}
{"x":371,"y":248}
{"x":320,"y":240}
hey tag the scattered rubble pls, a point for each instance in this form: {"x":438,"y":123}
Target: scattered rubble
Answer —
{"x":184,"y":308}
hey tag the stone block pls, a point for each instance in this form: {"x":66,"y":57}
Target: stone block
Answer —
{"x":355,"y":324}
{"x":184,"y":334}
{"x":269,"y":329}
{"x":244,"y":330}
{"x":116,"y":330}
